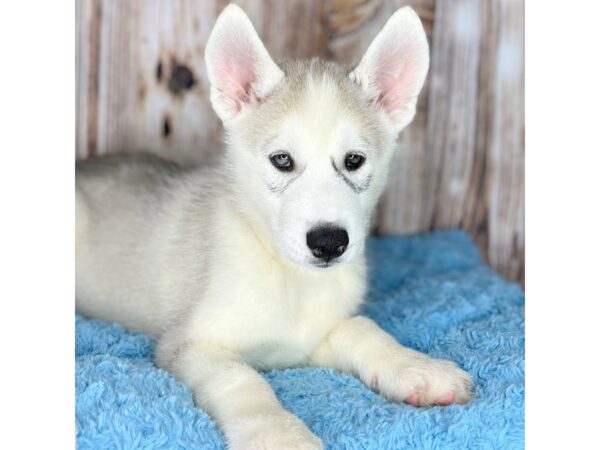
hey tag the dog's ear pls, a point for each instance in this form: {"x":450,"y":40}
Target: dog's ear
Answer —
{"x":393,"y":69}
{"x":240,"y":70}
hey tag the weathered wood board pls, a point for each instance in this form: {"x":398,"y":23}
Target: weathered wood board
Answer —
{"x":141,"y":85}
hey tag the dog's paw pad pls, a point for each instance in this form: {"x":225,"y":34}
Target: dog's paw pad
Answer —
{"x":446,"y":399}
{"x":414,"y":399}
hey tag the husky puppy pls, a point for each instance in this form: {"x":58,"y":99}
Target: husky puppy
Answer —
{"x":260,"y":263}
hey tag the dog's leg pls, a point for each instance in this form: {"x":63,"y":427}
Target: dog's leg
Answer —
{"x":360,"y":347}
{"x":238,"y":398}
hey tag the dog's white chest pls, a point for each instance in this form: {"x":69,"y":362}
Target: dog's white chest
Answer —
{"x":277,"y":320}
{"x":288,"y":337}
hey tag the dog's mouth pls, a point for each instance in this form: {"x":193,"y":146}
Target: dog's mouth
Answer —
{"x":325,"y":264}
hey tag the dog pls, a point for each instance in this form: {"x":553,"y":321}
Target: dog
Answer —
{"x":259,"y":263}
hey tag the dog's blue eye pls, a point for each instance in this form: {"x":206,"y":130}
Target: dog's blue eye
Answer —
{"x":282,"y":161}
{"x":353,"y":161}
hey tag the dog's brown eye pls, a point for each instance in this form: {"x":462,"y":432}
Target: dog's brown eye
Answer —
{"x":353,"y":161}
{"x":282,"y":161}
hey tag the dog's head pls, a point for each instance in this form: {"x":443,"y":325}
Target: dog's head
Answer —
{"x":310,"y":142}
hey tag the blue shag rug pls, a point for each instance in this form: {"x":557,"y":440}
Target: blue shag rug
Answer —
{"x":432,"y":292}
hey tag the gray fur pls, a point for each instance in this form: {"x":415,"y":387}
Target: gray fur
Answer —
{"x":292,"y":91}
{"x":128,"y":204}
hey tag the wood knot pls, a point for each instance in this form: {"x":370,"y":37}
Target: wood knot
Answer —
{"x":182,"y":79}
{"x":167,"y":128}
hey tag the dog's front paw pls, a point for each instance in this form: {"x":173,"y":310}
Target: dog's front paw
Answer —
{"x":421,"y":381}
{"x":271,"y":432}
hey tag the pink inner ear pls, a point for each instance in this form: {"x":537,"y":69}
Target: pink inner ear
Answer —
{"x":235,"y":71}
{"x":395,"y":77}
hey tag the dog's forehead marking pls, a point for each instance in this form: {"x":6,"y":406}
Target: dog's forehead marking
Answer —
{"x":319,"y":96}
{"x":324,"y":92}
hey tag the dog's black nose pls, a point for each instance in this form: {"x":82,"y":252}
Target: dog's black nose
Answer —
{"x":327,"y":242}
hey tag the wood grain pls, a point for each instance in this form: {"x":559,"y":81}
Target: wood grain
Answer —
{"x":506,"y":143}
{"x":461,"y":162}
{"x":141,"y":85}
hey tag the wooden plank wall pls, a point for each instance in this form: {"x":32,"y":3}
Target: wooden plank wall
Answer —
{"x":141,"y":85}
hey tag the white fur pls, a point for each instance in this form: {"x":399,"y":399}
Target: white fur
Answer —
{"x":214,"y":263}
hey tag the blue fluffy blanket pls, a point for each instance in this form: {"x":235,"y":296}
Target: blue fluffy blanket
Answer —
{"x":432,"y":292}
